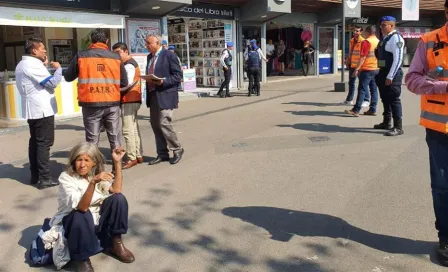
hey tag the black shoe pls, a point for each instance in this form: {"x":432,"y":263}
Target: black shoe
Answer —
{"x":442,"y":253}
{"x":177,"y":156}
{"x":229,"y":95}
{"x":158,"y":160}
{"x":47,"y":183}
{"x":258,"y":93}
{"x":249,"y":94}
{"x":386,"y":124}
{"x":395,"y":132}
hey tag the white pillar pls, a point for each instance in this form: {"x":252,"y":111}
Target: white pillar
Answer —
{"x":264,"y":76}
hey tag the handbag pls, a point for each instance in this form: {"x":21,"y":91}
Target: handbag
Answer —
{"x":39,"y":256}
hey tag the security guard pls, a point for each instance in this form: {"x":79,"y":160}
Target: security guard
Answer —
{"x":389,"y":79}
{"x":352,"y":62}
{"x":427,"y":76}
{"x":100,"y":74}
{"x":226,"y":62}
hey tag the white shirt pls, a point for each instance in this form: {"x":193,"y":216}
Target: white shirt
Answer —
{"x":395,"y":46}
{"x":260,"y":54}
{"x":224,"y":55}
{"x":71,"y":191}
{"x":36,"y":87}
{"x":270,"y":48}
{"x":130,"y":70}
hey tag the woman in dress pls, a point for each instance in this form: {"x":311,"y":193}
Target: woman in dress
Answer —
{"x":281,"y":48}
{"x":92,"y":209}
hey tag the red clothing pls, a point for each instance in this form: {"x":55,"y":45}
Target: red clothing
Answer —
{"x":365,"y":48}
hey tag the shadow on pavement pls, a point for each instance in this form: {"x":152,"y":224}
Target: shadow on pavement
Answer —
{"x":320,"y":113}
{"x":316,"y":104}
{"x":283,"y":224}
{"x":69,"y":127}
{"x":28,"y":235}
{"x":317,"y":127}
{"x":23,"y":175}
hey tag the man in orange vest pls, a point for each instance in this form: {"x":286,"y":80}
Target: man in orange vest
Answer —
{"x":367,"y":69}
{"x":100,"y":74}
{"x":131,"y":99}
{"x":428,"y":77}
{"x":352,"y":62}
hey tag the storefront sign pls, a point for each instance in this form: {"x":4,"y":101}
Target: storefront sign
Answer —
{"x":189,"y":80}
{"x":46,"y":18}
{"x":137,"y":31}
{"x":206,"y":11}
{"x":352,"y":8}
{"x":410,"y":10}
{"x":79,"y":4}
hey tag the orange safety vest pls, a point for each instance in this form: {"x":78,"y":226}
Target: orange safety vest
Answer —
{"x":355,"y":51}
{"x":434,"y":107}
{"x":371,"y":62}
{"x":99,"y":77}
{"x":134,"y":94}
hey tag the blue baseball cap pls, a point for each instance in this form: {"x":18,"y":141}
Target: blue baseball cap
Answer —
{"x":387,"y":19}
{"x":229,"y":44}
{"x":164,"y":42}
{"x":171,"y":47}
{"x":253,"y":41}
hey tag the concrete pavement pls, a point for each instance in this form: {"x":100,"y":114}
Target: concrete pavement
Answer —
{"x":281,"y":182}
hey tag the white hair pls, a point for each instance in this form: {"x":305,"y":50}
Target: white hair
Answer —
{"x":157,"y":36}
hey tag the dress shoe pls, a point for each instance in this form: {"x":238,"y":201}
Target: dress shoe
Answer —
{"x":85,"y":266}
{"x":158,"y":160}
{"x":120,"y":251}
{"x":129,"y":164}
{"x":47,"y":183}
{"x":386,"y":124}
{"x":139,"y":160}
{"x":353,"y":113}
{"x":177,"y":156}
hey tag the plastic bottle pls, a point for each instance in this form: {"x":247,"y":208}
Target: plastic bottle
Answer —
{"x":435,"y":73}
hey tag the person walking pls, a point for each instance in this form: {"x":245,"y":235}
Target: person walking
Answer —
{"x":352,"y":62}
{"x":100,"y":74}
{"x":253,"y":57}
{"x":270,"y":54}
{"x":281,"y":54}
{"x":162,"y":98}
{"x":226,"y":62}
{"x":390,"y":76}
{"x":366,"y":70}
{"x":37,"y":87}
{"x":427,"y":77}
{"x":131,"y":100}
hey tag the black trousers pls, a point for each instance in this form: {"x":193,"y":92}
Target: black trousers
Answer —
{"x":85,"y":239}
{"x":390,"y":95}
{"x":254,"y":79}
{"x":41,"y":139}
{"x":270,"y":65}
{"x":225,"y":84}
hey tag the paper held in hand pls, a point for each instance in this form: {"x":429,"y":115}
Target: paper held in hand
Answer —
{"x":152,"y":77}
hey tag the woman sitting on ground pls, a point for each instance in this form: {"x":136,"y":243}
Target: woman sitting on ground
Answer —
{"x":91,"y":206}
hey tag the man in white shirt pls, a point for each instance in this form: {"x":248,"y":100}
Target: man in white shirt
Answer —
{"x":270,"y":50}
{"x":226,"y":62}
{"x":37,"y":86}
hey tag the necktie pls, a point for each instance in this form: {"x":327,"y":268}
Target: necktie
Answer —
{"x":150,"y":72}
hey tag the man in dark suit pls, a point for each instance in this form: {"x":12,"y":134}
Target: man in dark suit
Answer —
{"x":162,"y":98}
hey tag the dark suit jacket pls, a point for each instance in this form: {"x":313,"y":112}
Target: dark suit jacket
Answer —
{"x":167,"y":66}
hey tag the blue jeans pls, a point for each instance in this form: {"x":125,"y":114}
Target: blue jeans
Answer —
{"x":351,"y":85}
{"x":438,"y":163}
{"x":366,"y":83}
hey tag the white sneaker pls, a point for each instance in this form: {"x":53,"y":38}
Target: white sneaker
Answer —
{"x":365,"y":104}
{"x":348,"y":102}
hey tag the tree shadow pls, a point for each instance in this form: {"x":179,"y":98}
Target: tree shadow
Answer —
{"x":283,"y":224}
{"x":319,"y":113}
{"x":315,"y":104}
{"x":22,"y":173}
{"x":293,"y":264}
{"x":317,"y":127}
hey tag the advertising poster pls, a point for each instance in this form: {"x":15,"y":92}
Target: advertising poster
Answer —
{"x":137,"y":31}
{"x":410,"y":10}
{"x":189,"y":80}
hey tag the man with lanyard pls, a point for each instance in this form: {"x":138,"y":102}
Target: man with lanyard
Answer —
{"x":352,"y":62}
{"x":253,"y":57}
{"x":226,"y":62}
{"x":270,"y":50}
{"x":100,"y":74}
{"x":390,"y":76}
{"x":427,"y":77}
{"x":367,"y":69}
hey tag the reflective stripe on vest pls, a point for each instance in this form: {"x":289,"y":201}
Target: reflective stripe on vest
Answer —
{"x":98,"y":81}
{"x":134,"y":95}
{"x":434,"y":107}
{"x":371,"y":62}
{"x":355,"y":51}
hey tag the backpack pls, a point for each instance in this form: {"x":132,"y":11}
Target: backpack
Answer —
{"x":39,"y":256}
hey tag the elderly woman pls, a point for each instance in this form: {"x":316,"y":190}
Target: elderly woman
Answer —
{"x":92,"y":209}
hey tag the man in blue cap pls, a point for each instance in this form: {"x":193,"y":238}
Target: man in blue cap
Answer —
{"x":253,"y":57}
{"x":171,"y":48}
{"x":390,"y":76}
{"x":226,"y":62}
{"x":165,"y":44}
